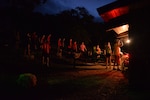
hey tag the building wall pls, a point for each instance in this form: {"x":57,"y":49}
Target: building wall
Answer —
{"x":139,"y":33}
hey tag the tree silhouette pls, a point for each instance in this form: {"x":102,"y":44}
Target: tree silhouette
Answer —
{"x":76,"y":23}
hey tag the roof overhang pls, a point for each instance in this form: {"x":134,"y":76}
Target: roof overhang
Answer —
{"x":115,"y":16}
{"x":113,"y":10}
{"x":120,"y":29}
{"x":114,"y":13}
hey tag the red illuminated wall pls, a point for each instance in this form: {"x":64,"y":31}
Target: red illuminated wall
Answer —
{"x":114,"y":13}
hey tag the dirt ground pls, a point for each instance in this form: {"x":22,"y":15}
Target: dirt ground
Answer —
{"x":87,"y":84}
{"x":67,"y":83}
{"x":63,"y":82}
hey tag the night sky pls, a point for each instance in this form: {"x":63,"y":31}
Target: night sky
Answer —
{"x":55,"y":6}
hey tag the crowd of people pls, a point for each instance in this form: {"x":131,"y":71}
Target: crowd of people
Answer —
{"x":114,"y":53}
{"x":71,"y":48}
{"x":34,"y":43}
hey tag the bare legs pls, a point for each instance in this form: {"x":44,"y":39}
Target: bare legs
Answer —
{"x":116,"y":62}
{"x":108,"y":62}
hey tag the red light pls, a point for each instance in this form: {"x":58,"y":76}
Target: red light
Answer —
{"x":114,"y":13}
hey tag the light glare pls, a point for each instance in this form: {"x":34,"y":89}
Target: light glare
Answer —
{"x":128,"y":41}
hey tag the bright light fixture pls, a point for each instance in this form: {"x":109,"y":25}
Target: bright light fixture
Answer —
{"x":121,"y":29}
{"x":127,"y":41}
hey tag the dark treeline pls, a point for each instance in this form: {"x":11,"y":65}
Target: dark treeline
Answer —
{"x":76,"y":23}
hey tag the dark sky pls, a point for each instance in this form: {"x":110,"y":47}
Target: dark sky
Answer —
{"x":55,"y":6}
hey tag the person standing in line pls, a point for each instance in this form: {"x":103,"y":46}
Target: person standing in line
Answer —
{"x":49,"y":38}
{"x":117,"y":52}
{"x":28,"y":44}
{"x":95,"y":53}
{"x":63,"y":46}
{"x":63,"y":42}
{"x":59,"y":47}
{"x":74,"y":54}
{"x":108,"y":54}
{"x":83,"y":49}
{"x":70,"y":46}
{"x":34,"y":39}
{"x":46,"y":53}
{"x":98,"y":51}
{"x":74,"y":47}
{"x":42,"y":41}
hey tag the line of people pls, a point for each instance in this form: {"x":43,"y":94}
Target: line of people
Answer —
{"x":43,"y":43}
{"x":114,"y":54}
{"x":33,"y":43}
{"x":76,"y":50}
{"x":71,"y":48}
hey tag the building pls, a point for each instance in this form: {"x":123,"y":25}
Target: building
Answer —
{"x":115,"y":16}
{"x":134,"y":14}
